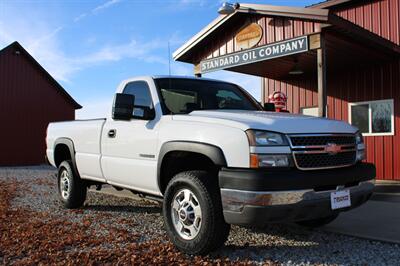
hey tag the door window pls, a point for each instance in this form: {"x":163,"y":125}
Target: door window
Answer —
{"x":141,"y":91}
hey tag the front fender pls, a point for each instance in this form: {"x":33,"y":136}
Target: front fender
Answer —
{"x":215,"y":154}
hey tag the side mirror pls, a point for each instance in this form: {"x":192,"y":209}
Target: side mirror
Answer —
{"x":270,"y":107}
{"x":144,"y":113}
{"x":123,"y":106}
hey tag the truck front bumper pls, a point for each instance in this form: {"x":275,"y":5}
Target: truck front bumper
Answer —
{"x":254,"y":197}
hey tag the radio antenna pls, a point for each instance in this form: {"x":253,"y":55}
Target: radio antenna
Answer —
{"x":169,"y":60}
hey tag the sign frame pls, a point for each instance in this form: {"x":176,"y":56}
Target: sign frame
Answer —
{"x":253,"y":54}
{"x":249,"y":41}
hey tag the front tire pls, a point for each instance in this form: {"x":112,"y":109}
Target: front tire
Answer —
{"x":192,"y":213}
{"x":71,"y":188}
{"x":315,"y":223}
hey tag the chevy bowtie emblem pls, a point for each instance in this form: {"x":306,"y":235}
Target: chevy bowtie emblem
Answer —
{"x":332,"y":148}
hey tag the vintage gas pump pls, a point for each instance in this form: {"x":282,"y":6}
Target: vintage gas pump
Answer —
{"x":279,"y":99}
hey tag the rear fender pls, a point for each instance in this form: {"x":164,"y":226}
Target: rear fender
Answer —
{"x":70,"y":144}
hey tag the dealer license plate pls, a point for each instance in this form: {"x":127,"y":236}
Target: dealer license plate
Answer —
{"x":340,"y":199}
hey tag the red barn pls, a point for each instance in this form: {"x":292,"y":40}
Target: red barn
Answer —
{"x":338,"y":58}
{"x":29,"y":99}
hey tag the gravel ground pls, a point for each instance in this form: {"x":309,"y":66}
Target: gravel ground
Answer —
{"x":111,"y":229}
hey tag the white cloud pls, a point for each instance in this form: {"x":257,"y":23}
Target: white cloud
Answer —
{"x":105,"y":5}
{"x":96,"y":9}
{"x":95,"y":108}
{"x":44,"y":45}
{"x":81,"y":16}
{"x":191,"y":2}
{"x":181,"y":69}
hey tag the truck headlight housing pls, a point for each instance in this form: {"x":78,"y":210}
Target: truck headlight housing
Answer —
{"x":266,"y":138}
{"x":359,"y":138}
{"x":269,"y":160}
{"x":360,"y":146}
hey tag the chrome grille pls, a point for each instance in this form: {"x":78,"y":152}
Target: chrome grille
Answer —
{"x":311,"y":152}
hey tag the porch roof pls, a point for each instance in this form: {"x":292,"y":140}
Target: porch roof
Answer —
{"x":343,"y":37}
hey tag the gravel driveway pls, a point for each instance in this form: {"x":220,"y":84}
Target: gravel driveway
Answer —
{"x":36,"y":229}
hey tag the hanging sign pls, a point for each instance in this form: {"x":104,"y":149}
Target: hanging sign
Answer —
{"x":266,"y":52}
{"x":248,"y":37}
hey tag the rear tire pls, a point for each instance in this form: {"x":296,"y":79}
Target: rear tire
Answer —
{"x":71,"y":188}
{"x":192,"y":213}
{"x":315,"y":223}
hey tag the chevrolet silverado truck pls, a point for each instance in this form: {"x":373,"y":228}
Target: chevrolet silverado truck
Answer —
{"x":212,"y":154}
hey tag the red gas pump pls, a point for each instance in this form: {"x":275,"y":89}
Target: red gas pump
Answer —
{"x":279,"y":99}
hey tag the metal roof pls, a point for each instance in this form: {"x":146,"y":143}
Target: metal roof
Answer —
{"x":16,"y":45}
{"x":282,"y":11}
{"x":330,"y":3}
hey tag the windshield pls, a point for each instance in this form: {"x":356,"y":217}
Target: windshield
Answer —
{"x":182,"y":96}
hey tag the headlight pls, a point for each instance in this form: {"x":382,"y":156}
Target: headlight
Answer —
{"x":265,"y":138}
{"x":361,"y":155}
{"x":269,"y":160}
{"x":359,"y":138}
{"x":360,"y":146}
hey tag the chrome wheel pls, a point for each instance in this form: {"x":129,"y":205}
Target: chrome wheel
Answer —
{"x":65,"y":184}
{"x":186,"y":214}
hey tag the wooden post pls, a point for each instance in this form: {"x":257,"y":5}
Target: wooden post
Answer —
{"x":196,"y":70}
{"x":262,"y":91}
{"x":321,"y":64}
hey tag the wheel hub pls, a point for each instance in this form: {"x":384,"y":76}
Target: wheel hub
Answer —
{"x":182,"y":215}
{"x":186,"y":214}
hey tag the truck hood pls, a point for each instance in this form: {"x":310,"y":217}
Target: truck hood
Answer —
{"x":272,"y":121}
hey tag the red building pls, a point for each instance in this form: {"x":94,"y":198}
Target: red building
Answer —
{"x":338,"y":58}
{"x":29,"y":99}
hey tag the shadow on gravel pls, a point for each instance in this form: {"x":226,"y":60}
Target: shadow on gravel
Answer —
{"x":123,"y":208}
{"x":296,"y":232}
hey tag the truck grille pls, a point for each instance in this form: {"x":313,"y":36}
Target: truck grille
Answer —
{"x":322,"y":140}
{"x":311,"y":152}
{"x":324,"y":160}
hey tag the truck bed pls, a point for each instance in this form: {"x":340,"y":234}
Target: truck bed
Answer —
{"x":86,"y":137}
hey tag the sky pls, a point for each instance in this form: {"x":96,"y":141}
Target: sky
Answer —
{"x":90,"y":46}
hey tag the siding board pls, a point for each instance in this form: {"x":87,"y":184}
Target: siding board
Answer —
{"x":381,"y":17}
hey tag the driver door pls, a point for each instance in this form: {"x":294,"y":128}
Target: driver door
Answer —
{"x":129,"y":147}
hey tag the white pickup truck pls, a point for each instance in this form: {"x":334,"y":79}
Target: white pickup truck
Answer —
{"x":214,"y":156}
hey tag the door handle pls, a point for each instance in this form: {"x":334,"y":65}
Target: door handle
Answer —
{"x":112,"y":133}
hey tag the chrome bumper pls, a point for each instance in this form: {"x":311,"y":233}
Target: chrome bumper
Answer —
{"x":235,"y":200}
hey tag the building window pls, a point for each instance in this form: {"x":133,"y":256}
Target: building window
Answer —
{"x":373,"y":118}
{"x":312,"y":111}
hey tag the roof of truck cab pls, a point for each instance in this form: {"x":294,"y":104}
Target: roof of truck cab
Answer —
{"x":172,"y":77}
{"x":186,"y":77}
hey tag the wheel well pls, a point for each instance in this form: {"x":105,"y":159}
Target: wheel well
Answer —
{"x":61,"y":153}
{"x":179,"y":161}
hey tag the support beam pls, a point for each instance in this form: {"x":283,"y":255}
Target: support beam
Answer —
{"x":196,"y":71}
{"x":262,"y":91}
{"x":321,"y":64}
